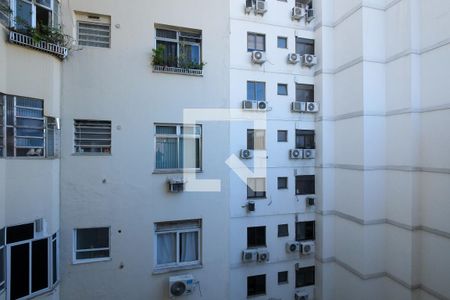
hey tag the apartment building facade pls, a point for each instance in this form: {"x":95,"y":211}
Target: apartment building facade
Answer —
{"x":324,"y":121}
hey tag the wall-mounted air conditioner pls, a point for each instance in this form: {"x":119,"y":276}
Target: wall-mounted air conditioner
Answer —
{"x":176,"y":185}
{"x":292,"y":246}
{"x":250,"y":206}
{"x":310,"y":15}
{"x":248,"y":6}
{"x":249,"y":255}
{"x":296,"y":153}
{"x":309,"y":153}
{"x":309,"y":60}
{"x":181,"y":285}
{"x":260,"y":7}
{"x":298,"y":12}
{"x":307,"y":247}
{"x":310,"y":201}
{"x":263,"y":255}
{"x":298,"y":106}
{"x":302,"y":296}
{"x":293,"y":58}
{"x":246,"y":154}
{"x":258,"y":57}
{"x":312,"y":107}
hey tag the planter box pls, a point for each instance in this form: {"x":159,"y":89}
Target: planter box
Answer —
{"x":176,"y":70}
{"x":27,"y":41}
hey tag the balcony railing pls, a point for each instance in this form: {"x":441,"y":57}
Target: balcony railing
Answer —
{"x":176,"y":70}
{"x":25,"y":40}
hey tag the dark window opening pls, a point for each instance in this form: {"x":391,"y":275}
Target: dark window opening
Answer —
{"x":39,"y":265}
{"x":282,"y":183}
{"x":282,"y":135}
{"x":256,"y":285}
{"x":282,"y":89}
{"x":282,"y":42}
{"x":19,"y":233}
{"x":256,"y":236}
{"x":256,"y":90}
{"x":304,"y":46}
{"x":305,"y":231}
{"x":304,"y":92}
{"x":256,"y":42}
{"x":283,"y":230}
{"x":304,"y":277}
{"x":304,"y":139}
{"x":305,"y":185}
{"x":256,"y":188}
{"x":282,"y":277}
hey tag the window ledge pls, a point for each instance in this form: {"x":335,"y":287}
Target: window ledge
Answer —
{"x":176,"y":171}
{"x":91,"y":154}
{"x":88,"y":261}
{"x":175,"y":70}
{"x":163,"y":270}
{"x":27,"y":41}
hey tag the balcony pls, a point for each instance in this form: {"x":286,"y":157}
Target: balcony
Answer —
{"x":177,"y":70}
{"x":27,"y":41}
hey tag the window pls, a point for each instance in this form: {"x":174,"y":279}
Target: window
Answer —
{"x":32,"y":264}
{"x":55,"y":258}
{"x":282,"y":183}
{"x":19,"y":233}
{"x":4,"y":13}
{"x":304,"y":92}
{"x":256,"y":285}
{"x":178,"y":243}
{"x":256,"y":188}
{"x":304,"y":139}
{"x":92,"y":136}
{"x":94,"y":30}
{"x":304,"y":185}
{"x":305,"y":231}
{"x":91,"y":244}
{"x":304,"y":46}
{"x":256,"y":90}
{"x":178,"y":147}
{"x":282,"y":89}
{"x":256,"y":42}
{"x":256,"y":236}
{"x":304,"y":277}
{"x":181,"y":47}
{"x":35,"y":13}
{"x":282,"y":135}
{"x":2,"y":260}
{"x":256,"y":139}
{"x":283,"y":230}
{"x":282,"y":42}
{"x":283,"y":277}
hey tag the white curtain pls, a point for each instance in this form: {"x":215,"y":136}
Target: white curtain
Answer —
{"x":166,"y":252}
{"x":188,"y":246}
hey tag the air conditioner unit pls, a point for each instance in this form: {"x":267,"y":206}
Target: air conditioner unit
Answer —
{"x":292,"y":247}
{"x":312,"y":107}
{"x":309,"y":60}
{"x":302,"y":296}
{"x":310,"y":201}
{"x":251,"y":206}
{"x":181,"y":285}
{"x":260,"y":7}
{"x":298,"y":106}
{"x":310,"y":15}
{"x":309,"y":153}
{"x":262,"y":105}
{"x":176,"y":185}
{"x":246,"y":154}
{"x":293,"y":58}
{"x":249,"y":105}
{"x":307,"y":247}
{"x":296,"y":153}
{"x":258,"y":57}
{"x":298,"y":13}
{"x":248,"y":6}
{"x":249,"y":255}
{"x":263,"y":255}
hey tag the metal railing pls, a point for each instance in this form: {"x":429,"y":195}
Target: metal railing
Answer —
{"x":22,"y":39}
{"x":176,"y":70}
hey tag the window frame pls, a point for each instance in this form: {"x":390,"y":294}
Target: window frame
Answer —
{"x":308,"y":178}
{"x":251,"y":142}
{"x":179,"y":33}
{"x":102,"y":23}
{"x":3,"y":250}
{"x":34,"y":4}
{"x":76,"y":260}
{"x":76,"y":147}
{"x":284,"y":131}
{"x":178,"y":231}
{"x":309,"y":88}
{"x":285,"y":281}
{"x":285,"y":38}
{"x":255,"y":90}
{"x":280,"y":233}
{"x":255,"y":228}
{"x":305,"y":269}
{"x":282,"y":187}
{"x":178,"y":135}
{"x":50,"y":283}
{"x":256,"y":194}
{"x":309,"y":139}
{"x":284,"y":85}
{"x":255,"y":35}
{"x":311,"y":224}
{"x":302,"y":43}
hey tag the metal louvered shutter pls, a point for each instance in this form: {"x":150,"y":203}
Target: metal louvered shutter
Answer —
{"x":94,"y":34}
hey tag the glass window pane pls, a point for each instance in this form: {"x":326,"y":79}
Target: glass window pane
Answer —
{"x":166,"y":248}
{"x":55,"y":261}
{"x":260,"y":42}
{"x":259,"y":139}
{"x":188,"y":246}
{"x":92,"y":254}
{"x":282,"y":89}
{"x":166,"y":129}
{"x":251,"y":41}
{"x":166,"y":153}
{"x":2,"y":265}
{"x":91,"y":238}
{"x":23,"y":14}
{"x":260,"y":91}
{"x":39,"y":265}
{"x":251,"y":95}
{"x":282,"y":42}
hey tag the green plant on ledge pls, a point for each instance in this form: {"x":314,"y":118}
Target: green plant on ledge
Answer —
{"x":158,"y":59}
{"x":48,"y":34}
